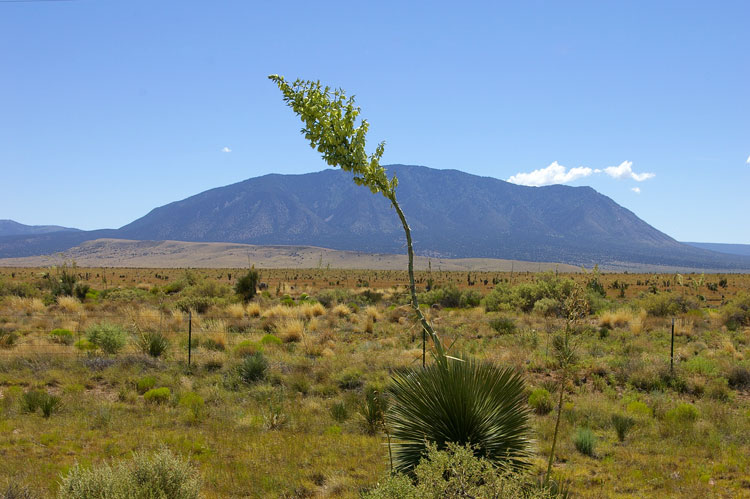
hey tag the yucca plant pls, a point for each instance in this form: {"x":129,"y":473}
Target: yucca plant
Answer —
{"x":622,"y":425}
{"x":465,"y":401}
{"x":153,"y":343}
{"x":452,"y":400}
{"x":373,"y":410}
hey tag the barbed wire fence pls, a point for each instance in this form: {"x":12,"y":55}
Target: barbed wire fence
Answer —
{"x":38,"y":334}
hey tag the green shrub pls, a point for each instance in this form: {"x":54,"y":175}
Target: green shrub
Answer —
{"x":32,"y":400}
{"x":253,"y":368}
{"x":684,"y":414}
{"x":548,"y":307}
{"x":503,"y":325}
{"x":160,"y":475}
{"x":299,"y":383}
{"x":736,"y":313}
{"x":270,"y":339}
{"x":638,"y":408}
{"x":339,"y":412}
{"x":110,"y":338}
{"x":198,"y":304}
{"x":145,"y":384}
{"x":17,"y":491}
{"x":499,"y":299}
{"x":667,"y":304}
{"x":451,"y":297}
{"x":7,"y":338}
{"x":210,"y":343}
{"x":329,"y":297}
{"x":350,"y":379}
{"x":541,"y":401}
{"x":38,"y":399}
{"x":701,"y":365}
{"x":739,"y":378}
{"x":153,"y":343}
{"x":718,"y":389}
{"x":158,"y":395}
{"x":81,"y":291}
{"x":287,"y":301}
{"x":458,"y":472}
{"x":247,"y":285}
{"x":62,"y":336}
{"x":50,"y":405}
{"x":585,"y":441}
{"x":193,"y":403}
{"x":84,"y":345}
{"x":622,"y":425}
{"x":470,"y":298}
{"x":247,"y":347}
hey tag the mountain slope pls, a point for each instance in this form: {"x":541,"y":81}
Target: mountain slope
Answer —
{"x":451,"y":213}
{"x":12,"y":228}
{"x":730,"y":249}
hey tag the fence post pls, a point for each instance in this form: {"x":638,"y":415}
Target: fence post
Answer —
{"x":671,"y":350}
{"x":190,"y":335}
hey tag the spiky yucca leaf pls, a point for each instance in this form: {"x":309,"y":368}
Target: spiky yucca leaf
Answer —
{"x":468,"y":402}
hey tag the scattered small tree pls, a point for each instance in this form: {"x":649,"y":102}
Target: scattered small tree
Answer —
{"x":575,"y":308}
{"x":247,"y":285}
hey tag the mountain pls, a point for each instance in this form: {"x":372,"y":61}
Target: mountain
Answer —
{"x":730,"y":249}
{"x":12,"y":228}
{"x":451,"y":213}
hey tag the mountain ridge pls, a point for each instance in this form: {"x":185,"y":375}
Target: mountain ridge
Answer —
{"x":12,"y":228}
{"x":451,"y":213}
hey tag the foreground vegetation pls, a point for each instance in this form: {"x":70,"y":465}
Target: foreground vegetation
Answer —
{"x":284,"y":394}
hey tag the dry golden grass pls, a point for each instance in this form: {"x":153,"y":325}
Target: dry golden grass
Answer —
{"x":636,"y":326}
{"x":313,"y":325}
{"x":150,"y":315}
{"x":614,"y":319}
{"x":246,"y":348}
{"x":253,"y":309}
{"x":26,"y":306}
{"x":280,"y":312}
{"x":212,"y":325}
{"x":69,"y":304}
{"x":369,"y":325}
{"x":340,"y":311}
{"x":684,"y":327}
{"x":373,"y":313}
{"x":236,"y":310}
{"x":291,"y":330}
{"x":308,"y":311}
{"x":219,"y":340}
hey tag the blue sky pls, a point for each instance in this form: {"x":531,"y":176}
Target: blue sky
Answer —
{"x":111,"y":108}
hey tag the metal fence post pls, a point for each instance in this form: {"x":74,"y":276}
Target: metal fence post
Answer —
{"x":190,"y":335}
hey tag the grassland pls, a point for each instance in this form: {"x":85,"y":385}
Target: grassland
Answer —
{"x":329,"y":335}
{"x":180,"y":254}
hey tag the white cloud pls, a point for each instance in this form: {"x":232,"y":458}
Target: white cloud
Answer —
{"x":553,"y":174}
{"x":225,"y":149}
{"x":748,"y":160}
{"x":625,"y":171}
{"x":637,"y":190}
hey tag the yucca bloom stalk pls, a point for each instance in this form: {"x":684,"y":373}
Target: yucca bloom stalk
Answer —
{"x":454,"y":399}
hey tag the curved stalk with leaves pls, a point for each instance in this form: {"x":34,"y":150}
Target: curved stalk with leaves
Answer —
{"x":453,"y":400}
